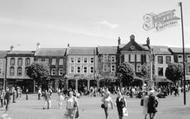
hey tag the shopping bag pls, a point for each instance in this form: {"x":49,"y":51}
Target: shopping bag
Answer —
{"x":125,"y":111}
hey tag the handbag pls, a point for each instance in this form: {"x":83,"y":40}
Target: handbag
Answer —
{"x":125,"y":112}
{"x":102,"y":106}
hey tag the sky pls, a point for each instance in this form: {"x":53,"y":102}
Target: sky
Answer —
{"x":55,"y":23}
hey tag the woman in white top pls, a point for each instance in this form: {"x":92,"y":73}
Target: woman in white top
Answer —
{"x":145,"y":104}
{"x":107,"y":100}
{"x":71,"y":106}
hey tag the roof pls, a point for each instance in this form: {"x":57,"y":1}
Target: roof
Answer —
{"x":160,"y":50}
{"x":81,"y":50}
{"x":179,"y":50}
{"x":107,"y":49}
{"x":51,"y":52}
{"x":20,"y":53}
{"x":3,"y":54}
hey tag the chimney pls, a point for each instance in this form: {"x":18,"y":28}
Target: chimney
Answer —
{"x":119,"y":41}
{"x":148,"y":41}
{"x":132,"y":38}
{"x":11,"y":48}
{"x":38,"y":46}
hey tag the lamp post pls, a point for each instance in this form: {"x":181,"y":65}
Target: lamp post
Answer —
{"x":183,"y":47}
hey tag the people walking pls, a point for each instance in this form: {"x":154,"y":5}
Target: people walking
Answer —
{"x":26,"y":94}
{"x":14,"y":95}
{"x":47,"y":99}
{"x":72,"y":106}
{"x":7,"y":98}
{"x":144,"y":104}
{"x":60,"y":98}
{"x":39,"y":93}
{"x":152,"y":105}
{"x":2,"y":95}
{"x":120,"y":103}
{"x":106,"y":100}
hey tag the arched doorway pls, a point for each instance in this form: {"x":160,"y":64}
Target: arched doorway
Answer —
{"x":82,"y":84}
{"x":71,"y":84}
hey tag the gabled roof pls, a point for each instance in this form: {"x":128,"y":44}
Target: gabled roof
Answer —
{"x":160,"y":50}
{"x":132,"y":45}
{"x":3,"y":54}
{"x":81,"y":51}
{"x":51,"y":52}
{"x":179,"y":50}
{"x":107,"y":49}
{"x":20,"y":53}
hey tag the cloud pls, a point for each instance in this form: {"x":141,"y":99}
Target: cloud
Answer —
{"x":108,"y":24}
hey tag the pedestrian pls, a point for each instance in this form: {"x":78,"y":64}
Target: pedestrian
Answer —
{"x":7,"y":98}
{"x":47,"y":99}
{"x":26,"y":94}
{"x":39,"y":93}
{"x":107,"y":100}
{"x":152,"y":105}
{"x":72,"y":106}
{"x":144,"y":104}
{"x":60,"y":98}
{"x":2,"y":94}
{"x":120,"y":103}
{"x":14,"y":95}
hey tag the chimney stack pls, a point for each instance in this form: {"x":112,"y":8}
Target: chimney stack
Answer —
{"x":148,"y":42}
{"x":11,"y":48}
{"x":132,"y":38}
{"x":38,"y":46}
{"x":119,"y":41}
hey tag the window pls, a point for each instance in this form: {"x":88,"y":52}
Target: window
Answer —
{"x":60,"y":71}
{"x":27,"y":61}
{"x":113,"y":69}
{"x":53,"y":71}
{"x":92,"y":69}
{"x":12,"y":71}
{"x":19,"y":71}
{"x":78,"y":60}
{"x":105,"y":58}
{"x":138,"y":58}
{"x":85,"y":69}
{"x":180,"y":58}
{"x":53,"y":62}
{"x":61,"y":61}
{"x":188,"y":58}
{"x":126,"y":58}
{"x":160,"y":59}
{"x":160,"y":71}
{"x":47,"y":60}
{"x":138,"y":68}
{"x":19,"y":62}
{"x":85,"y":60}
{"x":92,"y":60}
{"x":168,"y":59}
{"x":113,"y":58}
{"x":0,"y":71}
{"x":12,"y":61}
{"x":72,"y":69}
{"x":188,"y":69}
{"x":78,"y":69}
{"x":105,"y":68}
{"x":72,"y":60}
{"x":132,"y":57}
{"x":43,"y":59}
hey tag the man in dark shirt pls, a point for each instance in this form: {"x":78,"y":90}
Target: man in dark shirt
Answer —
{"x":7,"y":98}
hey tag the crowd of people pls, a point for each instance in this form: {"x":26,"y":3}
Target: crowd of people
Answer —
{"x":148,"y":98}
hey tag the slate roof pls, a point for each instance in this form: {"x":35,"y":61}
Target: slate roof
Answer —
{"x":81,"y":51}
{"x":20,"y":53}
{"x":107,"y":49}
{"x":51,"y":52}
{"x":3,"y":54}
{"x":160,"y":50}
{"x":179,"y":50}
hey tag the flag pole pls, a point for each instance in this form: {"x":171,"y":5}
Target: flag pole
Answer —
{"x":182,"y":28}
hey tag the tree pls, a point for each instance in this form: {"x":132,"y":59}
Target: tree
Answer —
{"x":39,"y":72}
{"x":174,"y":72}
{"x":126,"y":73}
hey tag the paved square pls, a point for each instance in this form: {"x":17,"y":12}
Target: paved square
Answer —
{"x":169,"y":108}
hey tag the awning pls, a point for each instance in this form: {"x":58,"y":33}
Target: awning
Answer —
{"x":164,"y":80}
